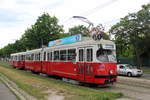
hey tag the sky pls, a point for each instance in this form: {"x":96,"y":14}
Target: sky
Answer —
{"x":18,"y":15}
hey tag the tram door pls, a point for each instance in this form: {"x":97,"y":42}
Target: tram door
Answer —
{"x":84,"y":65}
{"x":89,"y":64}
{"x":81,"y":64}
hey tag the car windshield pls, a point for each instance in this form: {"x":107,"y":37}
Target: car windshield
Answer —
{"x":131,"y":67}
{"x":105,"y":55}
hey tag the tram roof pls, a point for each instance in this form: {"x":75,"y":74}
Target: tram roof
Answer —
{"x":86,"y":41}
{"x":34,"y":50}
{"x":13,"y":54}
{"x":28,"y":51}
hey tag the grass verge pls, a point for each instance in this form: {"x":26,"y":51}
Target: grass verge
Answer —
{"x":38,"y":86}
{"x":146,"y":69}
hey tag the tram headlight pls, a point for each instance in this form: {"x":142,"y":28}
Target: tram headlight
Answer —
{"x":111,"y":72}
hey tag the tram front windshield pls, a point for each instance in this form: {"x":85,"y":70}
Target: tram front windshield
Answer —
{"x":104,"y":55}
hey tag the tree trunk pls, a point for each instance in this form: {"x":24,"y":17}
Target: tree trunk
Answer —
{"x":139,"y":63}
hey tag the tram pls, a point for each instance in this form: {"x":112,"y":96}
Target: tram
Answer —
{"x":18,"y":60}
{"x":78,"y":58}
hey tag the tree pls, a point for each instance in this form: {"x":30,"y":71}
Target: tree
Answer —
{"x":44,"y":30}
{"x":80,"y":29}
{"x":132,"y":33}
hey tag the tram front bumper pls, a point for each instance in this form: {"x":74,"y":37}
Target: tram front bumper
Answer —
{"x":105,"y":79}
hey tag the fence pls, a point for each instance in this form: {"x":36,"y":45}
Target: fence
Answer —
{"x":133,"y":61}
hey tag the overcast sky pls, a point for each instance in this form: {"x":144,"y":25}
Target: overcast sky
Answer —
{"x":18,"y":15}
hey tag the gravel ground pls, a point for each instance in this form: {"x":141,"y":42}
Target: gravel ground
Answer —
{"x":134,"y":88}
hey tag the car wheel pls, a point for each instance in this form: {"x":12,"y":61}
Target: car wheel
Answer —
{"x":129,"y":74}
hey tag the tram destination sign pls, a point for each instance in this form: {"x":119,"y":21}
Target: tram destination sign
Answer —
{"x":108,"y":46}
{"x":66,"y":40}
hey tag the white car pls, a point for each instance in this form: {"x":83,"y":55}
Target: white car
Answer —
{"x":129,"y":70}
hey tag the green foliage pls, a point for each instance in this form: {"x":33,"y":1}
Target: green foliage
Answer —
{"x":80,"y":29}
{"x":11,"y":48}
{"x":45,"y":29}
{"x":106,"y":36}
{"x":146,"y":69}
{"x":132,"y":34}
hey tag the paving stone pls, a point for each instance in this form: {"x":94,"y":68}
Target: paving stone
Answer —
{"x":5,"y":93}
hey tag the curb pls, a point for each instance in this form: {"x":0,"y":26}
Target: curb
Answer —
{"x":22,"y":95}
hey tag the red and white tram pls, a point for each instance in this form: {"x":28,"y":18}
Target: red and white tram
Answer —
{"x":18,"y":60}
{"x":88,"y":60}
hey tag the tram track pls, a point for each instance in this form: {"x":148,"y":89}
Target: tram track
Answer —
{"x":136,"y":89}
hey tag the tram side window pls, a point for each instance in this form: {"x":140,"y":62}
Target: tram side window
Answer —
{"x":11,"y":57}
{"x":72,"y":55}
{"x":29,"y":56}
{"x":32,"y":57}
{"x":63,"y":55}
{"x":26,"y":57}
{"x":35,"y":57}
{"x":81,"y":55}
{"x":21,"y":57}
{"x":48,"y":56}
{"x":51,"y":56}
{"x":16,"y":58}
{"x":89,"y":54}
{"x":56,"y":55}
{"x":44,"y":56}
{"x":39,"y":56}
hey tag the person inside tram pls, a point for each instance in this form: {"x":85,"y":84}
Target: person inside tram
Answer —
{"x":105,"y":55}
{"x":101,"y":56}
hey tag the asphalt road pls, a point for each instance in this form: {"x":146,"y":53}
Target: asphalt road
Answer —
{"x":146,"y":76}
{"x":5,"y":93}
